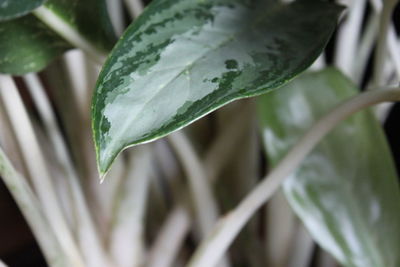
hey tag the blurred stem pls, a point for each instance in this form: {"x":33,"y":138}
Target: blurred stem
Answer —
{"x":135,"y":7}
{"x":37,"y":168}
{"x":204,"y":201}
{"x":30,"y":208}
{"x":127,"y":236}
{"x":60,"y":26}
{"x":91,"y":244}
{"x":381,"y":49}
{"x":218,"y":241}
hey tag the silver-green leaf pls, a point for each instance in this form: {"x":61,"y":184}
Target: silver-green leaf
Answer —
{"x":346,"y":191}
{"x":182,"y":59}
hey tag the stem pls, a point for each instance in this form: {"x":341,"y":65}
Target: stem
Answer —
{"x":348,"y":36}
{"x":205,"y":203}
{"x":135,"y":7}
{"x":88,"y":236}
{"x":61,"y":27}
{"x":36,"y":165}
{"x":172,"y":235}
{"x":127,"y":236}
{"x":211,"y":250}
{"x":2,"y":264}
{"x":30,"y":208}
{"x":380,"y":54}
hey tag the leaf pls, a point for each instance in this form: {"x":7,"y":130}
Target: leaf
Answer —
{"x":89,"y":18}
{"x":27,"y":45}
{"x":346,"y":191}
{"x":183,"y":59}
{"x":11,"y":9}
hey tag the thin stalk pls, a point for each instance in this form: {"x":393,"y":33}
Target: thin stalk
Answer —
{"x":279,"y":234}
{"x":115,"y":9}
{"x":37,"y":168}
{"x":218,"y":241}
{"x":30,"y":208}
{"x":135,"y":7}
{"x":365,"y":46}
{"x":302,"y":248}
{"x":381,"y":49}
{"x":127,"y":236}
{"x":172,"y":235}
{"x":348,"y":35}
{"x":91,"y":245}
{"x":204,"y":201}
{"x":61,"y":27}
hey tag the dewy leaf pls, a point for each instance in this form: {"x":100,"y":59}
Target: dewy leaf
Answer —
{"x":182,"y":59}
{"x":27,"y":45}
{"x":346,"y":191}
{"x":11,"y":9}
{"x":87,"y":17}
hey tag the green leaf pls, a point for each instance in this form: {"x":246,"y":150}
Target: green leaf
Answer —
{"x":183,"y":59}
{"x":346,"y":191}
{"x":11,"y":9}
{"x":89,"y":18}
{"x":27,"y":45}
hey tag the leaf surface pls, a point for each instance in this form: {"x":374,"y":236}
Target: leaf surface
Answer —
{"x":27,"y":45}
{"x":346,"y":191}
{"x":183,"y":59}
{"x":11,"y":9}
{"x":89,"y":18}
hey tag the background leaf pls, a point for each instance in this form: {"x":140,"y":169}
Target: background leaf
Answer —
{"x":27,"y":45}
{"x":88,"y":17}
{"x":346,"y":191}
{"x":183,"y":59}
{"x":11,"y":9}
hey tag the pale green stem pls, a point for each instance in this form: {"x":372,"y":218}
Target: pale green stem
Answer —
{"x":381,"y":49}
{"x":115,"y":9}
{"x":37,"y":168}
{"x":91,"y":245}
{"x":218,"y":241}
{"x":30,"y":208}
{"x":135,"y":7}
{"x":302,"y":248}
{"x":65,"y":30}
{"x":348,"y":35}
{"x":204,"y":201}
{"x":127,"y":234}
{"x":170,"y":239}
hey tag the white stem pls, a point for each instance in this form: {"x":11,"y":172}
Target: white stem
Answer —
{"x":348,"y":35}
{"x":204,"y":201}
{"x":172,"y":235}
{"x":365,"y":47}
{"x":279,"y":234}
{"x":218,"y":241}
{"x":91,"y":245}
{"x":127,"y":236}
{"x":302,"y":248}
{"x":394,"y":48}
{"x":30,"y":208}
{"x":65,"y":30}
{"x":135,"y":7}
{"x":2,"y":264}
{"x":224,"y":146}
{"x":116,"y":15}
{"x":206,"y":205}
{"x":381,"y":49}
{"x":37,"y":168}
